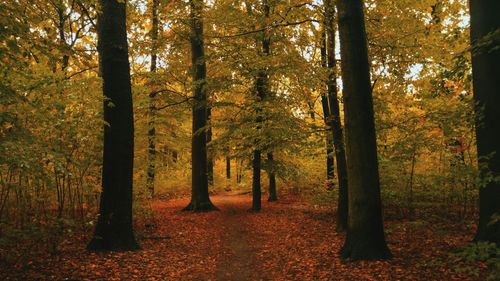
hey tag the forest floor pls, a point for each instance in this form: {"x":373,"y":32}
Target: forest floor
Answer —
{"x":288,"y":240}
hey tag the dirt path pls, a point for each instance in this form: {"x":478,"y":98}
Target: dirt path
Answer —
{"x":288,"y":240}
{"x":238,"y":262}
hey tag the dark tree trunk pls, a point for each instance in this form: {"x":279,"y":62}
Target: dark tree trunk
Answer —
{"x":228,"y":167}
{"x":114,"y":225}
{"x":261,"y":85}
{"x":365,"y":238}
{"x":150,"y":181}
{"x":273,"y":195}
{"x":327,"y":118}
{"x":210,"y":160}
{"x":239,"y":171}
{"x":175,"y":155}
{"x":200,"y":200}
{"x":256,"y":160}
{"x":256,"y":191}
{"x":337,"y":130}
{"x":485,"y":71}
{"x":312,"y":114}
{"x":61,"y":13}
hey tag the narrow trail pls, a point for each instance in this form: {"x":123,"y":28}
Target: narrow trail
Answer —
{"x":288,"y":240}
{"x":238,"y":261}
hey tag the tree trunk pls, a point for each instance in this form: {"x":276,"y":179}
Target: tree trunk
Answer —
{"x":261,"y":85}
{"x":485,"y":72}
{"x":365,"y":238}
{"x":150,"y":181}
{"x":327,"y":118}
{"x":273,"y":195}
{"x":200,"y":200}
{"x":256,"y":191}
{"x":239,"y":171}
{"x":61,"y":10}
{"x":175,"y":156}
{"x":228,"y":167}
{"x":114,"y":225}
{"x":338,"y":134}
{"x":210,"y":160}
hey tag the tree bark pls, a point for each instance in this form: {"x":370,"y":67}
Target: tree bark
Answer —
{"x":327,"y":116}
{"x":114,"y":225}
{"x":210,"y":161}
{"x":200,"y":200}
{"x":273,"y":195}
{"x":61,"y":10}
{"x":485,"y":72}
{"x":256,"y":191}
{"x":150,"y":181}
{"x":336,"y":125}
{"x":239,"y":171}
{"x":261,"y":82}
{"x":228,"y":167}
{"x":365,"y":238}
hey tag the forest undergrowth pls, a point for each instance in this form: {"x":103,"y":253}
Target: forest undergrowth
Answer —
{"x":292,"y":239}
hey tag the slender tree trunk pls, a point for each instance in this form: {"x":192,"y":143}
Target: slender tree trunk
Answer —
{"x":266,"y":50}
{"x":312,"y":114}
{"x":114,"y":225}
{"x":228,"y":167}
{"x":256,"y":160}
{"x":485,"y":71}
{"x":174,"y":156}
{"x":365,"y":238}
{"x":327,"y":117}
{"x":150,"y":181}
{"x":273,"y":195}
{"x":261,"y":85}
{"x":210,"y":161}
{"x":337,"y":130}
{"x":200,"y":200}
{"x":239,"y":171}
{"x":61,"y":10}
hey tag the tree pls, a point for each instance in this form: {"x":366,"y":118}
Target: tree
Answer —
{"x":210,"y":155}
{"x":365,"y":234}
{"x":200,"y":200}
{"x":228,"y":167}
{"x":261,"y":84}
{"x":330,"y":174}
{"x":150,"y":181}
{"x":335,"y":123}
{"x":114,"y":226}
{"x":273,"y":195}
{"x":485,"y":31}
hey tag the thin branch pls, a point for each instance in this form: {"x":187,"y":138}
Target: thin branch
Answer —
{"x":86,"y":11}
{"x":174,"y":103}
{"x":80,"y":72}
{"x":154,"y":93}
{"x":276,"y":25}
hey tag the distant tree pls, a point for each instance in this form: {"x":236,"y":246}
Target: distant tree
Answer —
{"x":228,"y":167}
{"x":256,"y":190}
{"x":261,"y":83}
{"x":210,"y":156}
{"x":273,"y":194}
{"x":485,"y":34}
{"x":150,"y":181}
{"x":335,"y":122}
{"x":365,"y":234}
{"x":200,"y":200}
{"x":325,"y":105}
{"x":114,"y":225}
